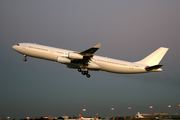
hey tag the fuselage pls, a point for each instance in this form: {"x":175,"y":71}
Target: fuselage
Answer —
{"x":96,"y":63}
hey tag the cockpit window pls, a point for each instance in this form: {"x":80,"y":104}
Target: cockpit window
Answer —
{"x":17,"y":44}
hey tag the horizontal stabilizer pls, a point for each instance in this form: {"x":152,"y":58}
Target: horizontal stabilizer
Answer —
{"x":153,"y":67}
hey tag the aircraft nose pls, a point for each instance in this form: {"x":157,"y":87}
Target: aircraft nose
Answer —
{"x":14,"y":47}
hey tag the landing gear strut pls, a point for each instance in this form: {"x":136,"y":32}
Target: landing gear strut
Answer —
{"x":84,"y":72}
{"x":25,"y":59}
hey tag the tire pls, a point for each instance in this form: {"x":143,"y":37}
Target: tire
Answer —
{"x":88,"y":75}
{"x":83,"y":73}
{"x":79,"y":70}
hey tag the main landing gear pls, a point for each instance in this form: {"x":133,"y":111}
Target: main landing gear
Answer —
{"x":25,"y":58}
{"x":84,"y":72}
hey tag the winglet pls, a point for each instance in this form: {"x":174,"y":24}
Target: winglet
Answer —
{"x":97,"y":46}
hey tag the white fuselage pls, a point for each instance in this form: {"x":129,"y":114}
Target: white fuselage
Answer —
{"x":96,"y":63}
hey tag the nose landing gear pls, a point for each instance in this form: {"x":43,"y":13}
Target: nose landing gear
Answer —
{"x":84,"y":72}
{"x":25,"y":58}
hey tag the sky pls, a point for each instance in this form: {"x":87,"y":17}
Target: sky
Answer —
{"x":128,"y":30}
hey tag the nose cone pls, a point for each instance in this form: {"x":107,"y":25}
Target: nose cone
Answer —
{"x":14,"y":47}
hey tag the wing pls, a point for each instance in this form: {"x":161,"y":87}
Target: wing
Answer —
{"x":91,"y":51}
{"x":87,"y":55}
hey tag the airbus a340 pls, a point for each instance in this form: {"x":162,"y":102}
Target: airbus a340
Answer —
{"x":86,"y":60}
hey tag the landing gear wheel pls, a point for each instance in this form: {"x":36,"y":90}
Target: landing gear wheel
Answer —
{"x":79,"y":69}
{"x":83,"y":72}
{"x":86,"y":72}
{"x":88,"y":75}
{"x":25,"y":59}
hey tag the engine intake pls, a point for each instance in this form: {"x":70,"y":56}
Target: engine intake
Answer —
{"x":75,"y":55}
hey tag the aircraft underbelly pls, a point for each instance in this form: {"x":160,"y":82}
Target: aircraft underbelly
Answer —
{"x":120,"y":69}
{"x":42,"y":55}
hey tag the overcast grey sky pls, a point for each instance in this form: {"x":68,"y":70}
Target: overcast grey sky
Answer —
{"x":128,"y":30}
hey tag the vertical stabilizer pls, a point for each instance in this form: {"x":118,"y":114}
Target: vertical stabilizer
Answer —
{"x":80,"y":116}
{"x":154,"y":58}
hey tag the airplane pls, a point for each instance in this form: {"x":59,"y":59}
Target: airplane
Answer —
{"x":82,"y":118}
{"x":138,"y":115}
{"x":145,"y":116}
{"x":87,"y":60}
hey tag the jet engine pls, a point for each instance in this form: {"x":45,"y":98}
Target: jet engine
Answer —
{"x":63,"y":60}
{"x":75,"y":55}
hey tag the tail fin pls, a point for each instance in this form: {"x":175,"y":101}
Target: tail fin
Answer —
{"x":80,"y":116}
{"x":154,"y":58}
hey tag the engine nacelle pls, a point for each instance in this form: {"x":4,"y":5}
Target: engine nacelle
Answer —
{"x":75,"y":56}
{"x":63,"y":60}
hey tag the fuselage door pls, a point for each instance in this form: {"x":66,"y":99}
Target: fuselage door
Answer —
{"x":94,"y":59}
{"x":131,"y":67}
{"x":23,"y":46}
{"x":51,"y":51}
